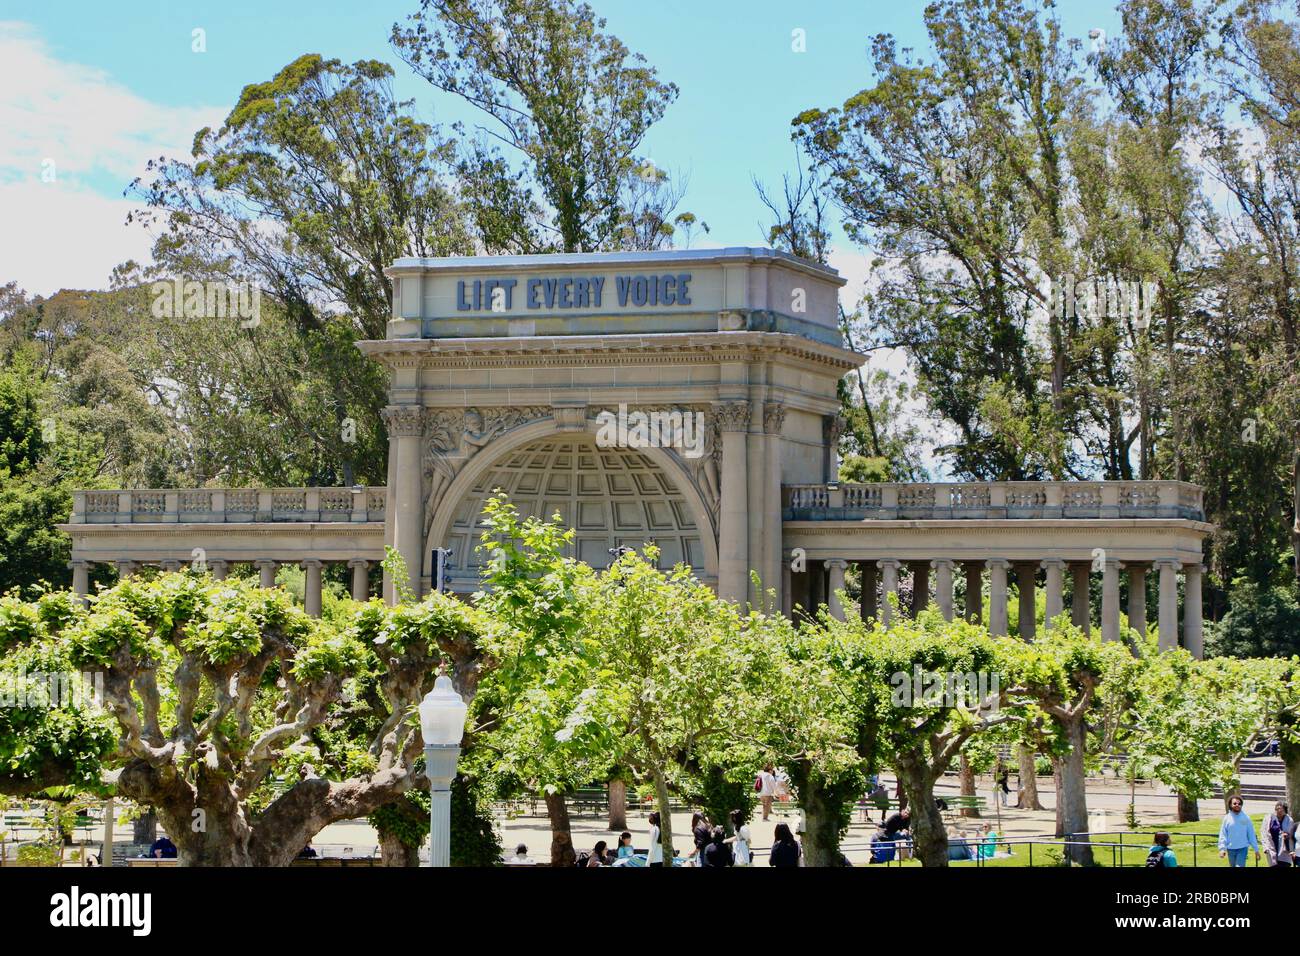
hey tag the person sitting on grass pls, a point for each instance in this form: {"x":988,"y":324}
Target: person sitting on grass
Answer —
{"x":625,"y":848}
{"x":1160,"y":854}
{"x":988,"y":842}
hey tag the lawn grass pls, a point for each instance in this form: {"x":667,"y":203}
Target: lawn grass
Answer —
{"x":1136,"y":846}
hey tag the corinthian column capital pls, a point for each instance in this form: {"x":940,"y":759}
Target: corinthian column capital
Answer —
{"x":773,"y":418}
{"x":403,"y":421}
{"x":732,"y":416}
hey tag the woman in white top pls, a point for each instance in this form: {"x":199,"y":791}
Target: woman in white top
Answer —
{"x":742,"y":839}
{"x":655,"y":857}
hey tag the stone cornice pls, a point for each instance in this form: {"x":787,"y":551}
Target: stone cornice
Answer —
{"x":676,"y":258}
{"x":587,"y":350}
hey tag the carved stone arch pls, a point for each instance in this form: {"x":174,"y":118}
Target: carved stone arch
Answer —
{"x":492,"y":455}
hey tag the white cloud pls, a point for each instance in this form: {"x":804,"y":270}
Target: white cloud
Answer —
{"x":70,"y":232}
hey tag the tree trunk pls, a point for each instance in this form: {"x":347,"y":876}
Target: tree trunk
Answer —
{"x":1290,"y":754}
{"x":557,"y":811}
{"x":618,"y":804}
{"x":967,"y":777}
{"x":144,"y":829}
{"x":664,"y":803}
{"x":393,"y":852}
{"x":929,"y":836}
{"x":821,"y":839}
{"x":1072,"y":797}
{"x":1056,"y":782}
{"x":1188,"y":810}
{"x":1027,"y":799}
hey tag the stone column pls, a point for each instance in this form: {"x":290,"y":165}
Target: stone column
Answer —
{"x":405,"y":424}
{"x":1137,"y":597}
{"x":888,"y":586}
{"x":920,"y":587}
{"x":80,"y":579}
{"x":266,"y":573}
{"x":975,"y":591}
{"x":219,"y":569}
{"x":1193,"y":639}
{"x":998,"y":597}
{"x":733,"y":531}
{"x":126,"y":568}
{"x":833,"y":601}
{"x":870,"y":606}
{"x":312,"y":587}
{"x":943,"y":586}
{"x":773,"y":567}
{"x":360,"y":579}
{"x":1027,"y":610}
{"x":1168,"y":604}
{"x":1080,"y":614}
{"x":1110,"y":600}
{"x":1054,"y":588}
{"x":787,"y":589}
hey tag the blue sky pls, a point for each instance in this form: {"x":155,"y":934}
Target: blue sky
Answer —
{"x":98,"y":88}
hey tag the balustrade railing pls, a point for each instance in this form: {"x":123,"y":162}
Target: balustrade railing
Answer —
{"x":227,"y":505}
{"x":994,"y":499}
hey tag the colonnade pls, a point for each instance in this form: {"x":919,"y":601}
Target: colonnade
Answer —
{"x":267,"y":569}
{"x":933,"y":582}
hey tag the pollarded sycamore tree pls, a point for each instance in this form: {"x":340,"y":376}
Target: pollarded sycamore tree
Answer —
{"x":530,"y":718}
{"x":1196,"y":720}
{"x":227,"y":702}
{"x":913,"y":693}
{"x":631,"y":667}
{"x":673,"y":662}
{"x":1083,"y":686}
{"x":803,"y":716}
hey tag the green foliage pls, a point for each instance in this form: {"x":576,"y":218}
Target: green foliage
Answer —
{"x":1261,"y":622}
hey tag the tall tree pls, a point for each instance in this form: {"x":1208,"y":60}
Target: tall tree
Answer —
{"x":570,"y":104}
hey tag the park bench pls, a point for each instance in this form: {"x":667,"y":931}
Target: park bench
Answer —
{"x":152,"y":863}
{"x":960,"y":802}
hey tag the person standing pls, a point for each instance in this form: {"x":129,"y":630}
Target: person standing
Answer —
{"x":742,"y":839}
{"x":702,"y":834}
{"x":767,"y":789}
{"x":1237,"y":835}
{"x":655,"y":855}
{"x":785,"y":851}
{"x":1277,"y":833}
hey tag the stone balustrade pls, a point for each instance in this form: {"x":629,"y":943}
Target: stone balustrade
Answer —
{"x":992,"y":500}
{"x":228,"y":505}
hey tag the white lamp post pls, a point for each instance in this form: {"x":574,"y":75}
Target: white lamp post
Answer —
{"x":442,"y":721}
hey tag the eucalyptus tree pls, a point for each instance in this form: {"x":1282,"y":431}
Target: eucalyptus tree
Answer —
{"x":570,"y":104}
{"x":315,"y":182}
